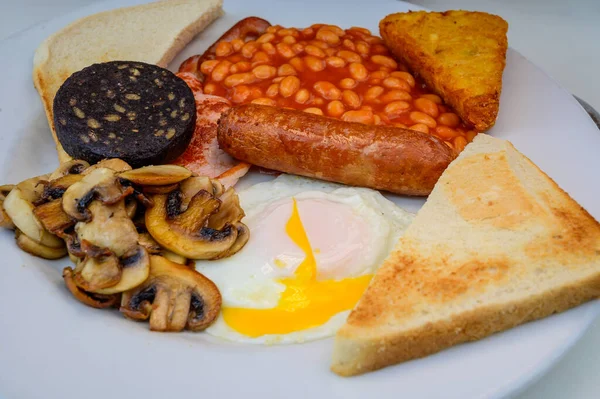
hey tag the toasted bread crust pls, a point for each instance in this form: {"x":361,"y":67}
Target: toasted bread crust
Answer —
{"x":357,"y":356}
{"x":498,"y":244}
{"x":49,"y":72}
{"x":460,"y":54}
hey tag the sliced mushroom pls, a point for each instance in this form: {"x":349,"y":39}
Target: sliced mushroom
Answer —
{"x":53,"y":217}
{"x":243,"y":235}
{"x":160,"y":189}
{"x":74,"y":167}
{"x":218,"y":188}
{"x":131,"y":207}
{"x":192,"y":186}
{"x":94,"y":273}
{"x":73,"y":245}
{"x":173,"y":297}
{"x":230,"y":211}
{"x":106,"y":274}
{"x":89,"y":298}
{"x":115,"y":164}
{"x":110,"y":228}
{"x":101,"y":184}
{"x":76,"y":253}
{"x":18,"y":205}
{"x":5,"y":220}
{"x":5,"y":190}
{"x":37,"y":249}
{"x":135,"y":270}
{"x":156,"y":175}
{"x":55,"y":189}
{"x":146,"y":241}
{"x":154,"y":248}
{"x":138,"y":194}
{"x":173,"y":257}
{"x":185,"y":233}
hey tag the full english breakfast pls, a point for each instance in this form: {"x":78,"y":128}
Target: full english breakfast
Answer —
{"x":143,"y":201}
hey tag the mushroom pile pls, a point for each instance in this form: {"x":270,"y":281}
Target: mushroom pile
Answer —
{"x":132,"y":235}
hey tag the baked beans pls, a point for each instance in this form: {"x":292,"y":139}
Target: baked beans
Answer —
{"x":325,"y":70}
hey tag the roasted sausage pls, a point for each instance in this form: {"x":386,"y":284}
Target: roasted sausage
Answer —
{"x":381,"y":157}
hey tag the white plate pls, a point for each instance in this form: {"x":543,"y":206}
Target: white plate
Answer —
{"x":53,"y":346}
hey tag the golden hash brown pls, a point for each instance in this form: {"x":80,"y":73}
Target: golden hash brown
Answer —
{"x":460,"y":54}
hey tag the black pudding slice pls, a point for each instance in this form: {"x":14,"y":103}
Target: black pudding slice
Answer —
{"x":138,"y":112}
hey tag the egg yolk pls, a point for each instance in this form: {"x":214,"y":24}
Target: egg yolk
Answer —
{"x":306,"y":302}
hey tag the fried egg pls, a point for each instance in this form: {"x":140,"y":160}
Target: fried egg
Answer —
{"x":314,"y":247}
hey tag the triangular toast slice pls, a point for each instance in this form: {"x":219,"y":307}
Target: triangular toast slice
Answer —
{"x":152,"y":33}
{"x":460,"y":54}
{"x":497,"y":244}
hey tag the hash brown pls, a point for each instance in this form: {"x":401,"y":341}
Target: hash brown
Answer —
{"x":460,"y":54}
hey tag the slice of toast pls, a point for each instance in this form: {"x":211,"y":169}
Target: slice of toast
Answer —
{"x":152,"y":33}
{"x":460,"y":54}
{"x":497,"y":244}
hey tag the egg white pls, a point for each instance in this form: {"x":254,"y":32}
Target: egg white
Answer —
{"x":331,"y":214}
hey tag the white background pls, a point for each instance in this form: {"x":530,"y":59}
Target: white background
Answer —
{"x":560,"y":36}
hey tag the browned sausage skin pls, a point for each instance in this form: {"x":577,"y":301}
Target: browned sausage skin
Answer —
{"x":386,"y":158}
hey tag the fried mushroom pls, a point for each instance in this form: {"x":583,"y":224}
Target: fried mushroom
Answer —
{"x":52,"y":216}
{"x":101,"y":184}
{"x":146,"y":266}
{"x":109,"y":227}
{"x":97,"y":272}
{"x":173,"y":257}
{"x":115,"y":164}
{"x":73,"y":245}
{"x":154,"y":248}
{"x":101,"y":272}
{"x":160,"y":189}
{"x":74,"y":167}
{"x":135,"y":269}
{"x":18,"y":206}
{"x":112,"y":261}
{"x":195,"y":223}
{"x":209,"y":222}
{"x":186,"y":233}
{"x":88,"y":298}
{"x":173,"y":298}
{"x":35,"y":248}
{"x":5,"y":189}
{"x":5,"y":220}
{"x":146,"y":241}
{"x":243,"y":235}
{"x":193,"y":186}
{"x":156,"y":175}
{"x":229,"y":212}
{"x":54,"y":189}
{"x":131,"y":207}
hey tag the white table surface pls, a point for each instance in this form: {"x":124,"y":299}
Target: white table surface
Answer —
{"x":560,"y":36}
